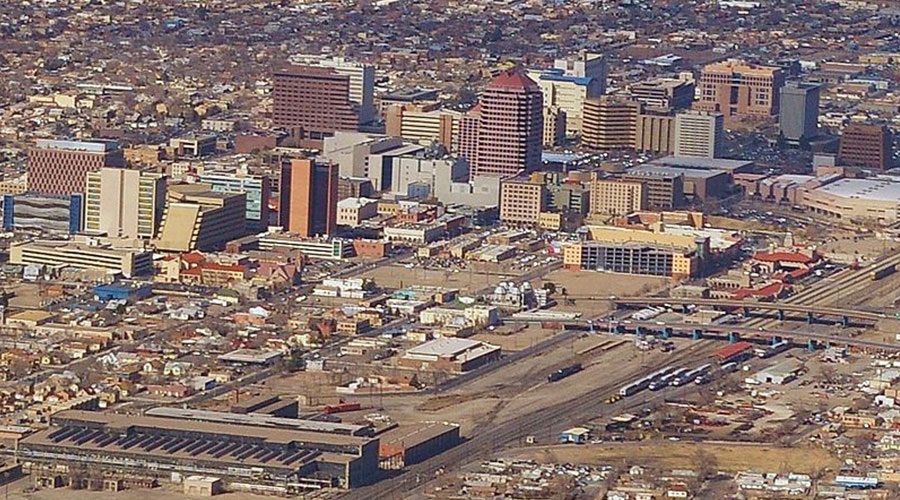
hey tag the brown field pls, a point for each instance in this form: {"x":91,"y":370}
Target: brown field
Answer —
{"x":667,"y":454}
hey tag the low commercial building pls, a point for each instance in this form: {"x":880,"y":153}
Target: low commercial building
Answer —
{"x":129,"y":291}
{"x":313,"y":248}
{"x":452,"y":354}
{"x":82,"y":254}
{"x":419,"y":233}
{"x":875,"y":199}
{"x":284,"y":460}
{"x":352,"y":211}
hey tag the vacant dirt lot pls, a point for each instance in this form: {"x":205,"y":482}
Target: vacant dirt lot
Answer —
{"x":667,"y":454}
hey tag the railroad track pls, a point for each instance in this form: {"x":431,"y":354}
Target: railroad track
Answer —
{"x":559,"y":416}
{"x":846,"y":283}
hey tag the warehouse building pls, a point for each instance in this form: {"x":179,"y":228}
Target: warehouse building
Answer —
{"x":408,"y":445}
{"x":454,"y":354}
{"x":284,"y":460}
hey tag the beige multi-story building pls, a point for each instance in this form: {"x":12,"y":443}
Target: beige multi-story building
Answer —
{"x":124,"y":202}
{"x":699,"y":134}
{"x":610,"y":122}
{"x":736,"y":88}
{"x":655,"y":134}
{"x":82,"y":253}
{"x":617,"y":196}
{"x":197,"y":218}
{"x":554,"y":126}
{"x":352,"y":211}
{"x":665,"y":190}
{"x":423,"y":124}
{"x":522,"y":201}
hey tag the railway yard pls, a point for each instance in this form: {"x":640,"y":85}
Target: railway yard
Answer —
{"x":615,"y":372}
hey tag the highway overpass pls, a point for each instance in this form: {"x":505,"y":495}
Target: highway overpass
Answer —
{"x":845,"y":315}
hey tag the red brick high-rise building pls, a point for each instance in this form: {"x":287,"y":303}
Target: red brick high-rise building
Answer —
{"x":61,"y":167}
{"x":866,"y":146}
{"x":309,"y":196}
{"x":510,"y":126}
{"x":313,"y":102}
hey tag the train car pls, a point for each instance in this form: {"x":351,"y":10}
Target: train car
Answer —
{"x":564,"y":372}
{"x":691,"y":375}
{"x":634,"y":387}
{"x":730,"y":367}
{"x":857,"y":482}
{"x":340,"y":408}
{"x":774,"y":349}
{"x":664,"y":381}
{"x":877,"y":274}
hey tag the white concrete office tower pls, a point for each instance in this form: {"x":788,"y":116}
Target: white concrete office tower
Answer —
{"x":586,"y":66}
{"x":569,"y":83}
{"x":124,"y":202}
{"x":362,"y":80}
{"x":700,"y":134}
{"x":799,"y":118}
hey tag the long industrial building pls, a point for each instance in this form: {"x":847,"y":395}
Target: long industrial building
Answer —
{"x":285,"y":460}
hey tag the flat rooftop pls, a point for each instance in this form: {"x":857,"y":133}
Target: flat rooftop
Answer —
{"x":653,"y":170}
{"x":411,"y":435}
{"x":875,"y":189}
{"x":260,"y":420}
{"x":95,"y":146}
{"x":690,"y":162}
{"x":119,"y":422}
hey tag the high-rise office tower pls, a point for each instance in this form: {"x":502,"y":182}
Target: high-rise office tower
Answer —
{"x":586,"y":65}
{"x":362,"y":81}
{"x":511,"y":126}
{"x":309,"y":198}
{"x":569,"y":83}
{"x":313,"y":102}
{"x":700,"y":134}
{"x":60,"y":167}
{"x":799,"y":117}
{"x":736,"y":88}
{"x":866,"y":146}
{"x":663,"y":95}
{"x":610,"y":122}
{"x":124,"y":202}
